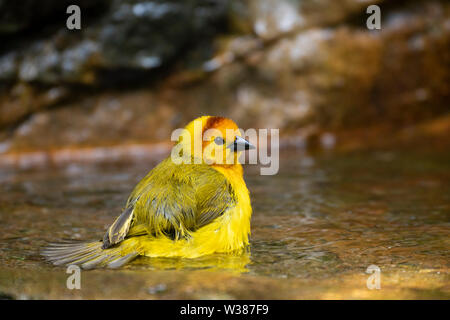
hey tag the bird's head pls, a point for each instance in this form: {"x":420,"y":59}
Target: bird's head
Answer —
{"x":211,"y":140}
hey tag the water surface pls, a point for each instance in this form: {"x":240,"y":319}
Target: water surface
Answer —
{"x":317,"y":225}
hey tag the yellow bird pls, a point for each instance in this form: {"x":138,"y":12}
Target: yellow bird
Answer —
{"x":193,"y":203}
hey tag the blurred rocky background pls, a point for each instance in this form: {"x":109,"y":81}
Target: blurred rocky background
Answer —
{"x":139,"y":69}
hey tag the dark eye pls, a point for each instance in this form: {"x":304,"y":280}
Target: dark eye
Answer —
{"x":219,"y":141}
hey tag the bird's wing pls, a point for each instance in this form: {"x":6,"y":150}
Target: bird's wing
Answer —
{"x":214,"y":195}
{"x":119,"y":229}
{"x":174,"y":200}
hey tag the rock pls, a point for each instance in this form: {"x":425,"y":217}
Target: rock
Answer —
{"x":346,"y":75}
{"x":100,"y":121}
{"x":131,"y":36}
{"x":26,"y":15}
{"x":21,"y":100}
{"x":269,"y":19}
{"x":309,"y":67}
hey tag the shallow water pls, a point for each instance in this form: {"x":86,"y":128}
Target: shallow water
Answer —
{"x":317,"y":225}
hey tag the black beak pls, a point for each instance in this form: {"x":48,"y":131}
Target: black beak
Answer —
{"x":240,"y":144}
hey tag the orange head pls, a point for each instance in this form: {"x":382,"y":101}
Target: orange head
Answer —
{"x":211,"y":140}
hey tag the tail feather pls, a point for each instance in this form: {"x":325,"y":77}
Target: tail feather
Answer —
{"x":116,"y":263}
{"x":66,"y":253}
{"x":95,"y":262}
{"x":87,"y":255}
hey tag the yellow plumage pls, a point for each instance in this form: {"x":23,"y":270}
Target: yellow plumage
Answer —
{"x":179,"y":209}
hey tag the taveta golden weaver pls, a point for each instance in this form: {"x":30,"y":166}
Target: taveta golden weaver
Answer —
{"x":179,"y":209}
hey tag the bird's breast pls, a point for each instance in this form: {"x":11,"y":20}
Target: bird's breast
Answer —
{"x":235,"y":223}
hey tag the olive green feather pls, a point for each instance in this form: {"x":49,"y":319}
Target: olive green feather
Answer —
{"x":172,"y":200}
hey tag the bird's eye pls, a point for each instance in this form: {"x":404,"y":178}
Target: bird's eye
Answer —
{"x":219,"y":141}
